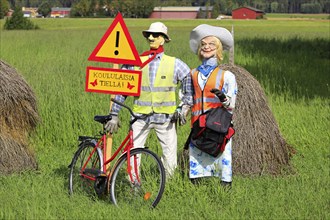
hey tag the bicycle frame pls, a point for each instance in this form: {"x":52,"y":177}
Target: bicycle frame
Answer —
{"x":127,"y":142}
{"x":129,"y":174}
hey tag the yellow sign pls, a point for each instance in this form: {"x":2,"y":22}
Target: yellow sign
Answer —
{"x":116,"y":46}
{"x":113,"y":81}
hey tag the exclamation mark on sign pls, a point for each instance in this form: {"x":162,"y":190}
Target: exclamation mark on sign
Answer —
{"x":117,"y":42}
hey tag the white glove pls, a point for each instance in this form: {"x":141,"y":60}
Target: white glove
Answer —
{"x":183,"y":114}
{"x":113,"y":125}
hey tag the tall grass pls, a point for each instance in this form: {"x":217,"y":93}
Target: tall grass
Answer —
{"x":289,"y":58}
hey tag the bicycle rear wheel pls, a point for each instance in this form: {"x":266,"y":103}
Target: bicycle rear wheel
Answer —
{"x":148,"y":180}
{"x":78,"y":183}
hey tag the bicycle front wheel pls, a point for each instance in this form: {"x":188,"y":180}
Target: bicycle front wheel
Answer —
{"x":82,"y":181}
{"x":143,"y":185}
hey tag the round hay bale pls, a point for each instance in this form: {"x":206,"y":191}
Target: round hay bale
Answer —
{"x":258,"y":146}
{"x":18,"y":117}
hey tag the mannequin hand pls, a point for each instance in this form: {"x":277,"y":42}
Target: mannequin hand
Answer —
{"x":219,"y":94}
{"x":113,"y":125}
{"x":183,"y":114}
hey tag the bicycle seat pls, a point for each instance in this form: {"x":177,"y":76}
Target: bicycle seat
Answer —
{"x":102,"y":118}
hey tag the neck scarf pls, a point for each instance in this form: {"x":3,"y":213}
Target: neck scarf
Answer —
{"x":208,"y":66}
{"x":153,"y":53}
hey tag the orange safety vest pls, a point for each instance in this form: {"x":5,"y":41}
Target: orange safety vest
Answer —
{"x":204,"y":99}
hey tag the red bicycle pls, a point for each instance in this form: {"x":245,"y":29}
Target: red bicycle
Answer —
{"x":137,"y":177}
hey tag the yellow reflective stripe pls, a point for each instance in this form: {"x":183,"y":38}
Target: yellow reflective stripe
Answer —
{"x":161,"y":98}
{"x":142,"y":103}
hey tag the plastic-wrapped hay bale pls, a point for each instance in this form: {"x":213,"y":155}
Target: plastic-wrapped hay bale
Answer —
{"x":258,"y":146}
{"x":18,"y":117}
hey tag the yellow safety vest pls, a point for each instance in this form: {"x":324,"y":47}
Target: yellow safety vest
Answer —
{"x":161,"y":97}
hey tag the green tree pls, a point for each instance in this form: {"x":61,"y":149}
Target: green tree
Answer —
{"x":216,"y":9}
{"x":18,"y":21}
{"x":274,"y":7}
{"x":44,"y":9}
{"x":4,"y":8}
{"x":311,"y":8}
{"x":83,"y":8}
{"x":326,"y":7}
{"x":129,"y":8}
{"x":67,"y":3}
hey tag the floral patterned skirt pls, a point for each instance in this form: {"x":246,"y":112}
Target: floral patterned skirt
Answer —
{"x":203,"y":165}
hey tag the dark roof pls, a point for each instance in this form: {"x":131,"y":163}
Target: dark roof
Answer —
{"x":176,"y":9}
{"x":206,"y":8}
{"x":60,"y":9}
{"x":251,"y":8}
{"x":183,"y":9}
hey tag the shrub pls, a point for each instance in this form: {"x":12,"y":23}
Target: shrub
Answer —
{"x":19,"y":22}
{"x":4,"y":8}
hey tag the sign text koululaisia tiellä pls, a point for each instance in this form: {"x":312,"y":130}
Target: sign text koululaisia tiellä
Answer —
{"x":113,"y":81}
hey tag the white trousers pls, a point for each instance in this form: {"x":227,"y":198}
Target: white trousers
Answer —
{"x":166,"y":135}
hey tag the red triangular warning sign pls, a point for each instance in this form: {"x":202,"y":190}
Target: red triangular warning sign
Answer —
{"x":116,"y":45}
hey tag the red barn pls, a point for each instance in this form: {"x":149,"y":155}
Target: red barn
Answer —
{"x":60,"y":12}
{"x":247,"y":13}
{"x":177,"y":12}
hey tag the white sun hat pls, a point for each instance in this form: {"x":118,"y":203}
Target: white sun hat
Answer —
{"x":157,"y":27}
{"x":204,"y":30}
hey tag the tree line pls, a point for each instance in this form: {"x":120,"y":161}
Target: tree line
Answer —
{"x":142,"y":9}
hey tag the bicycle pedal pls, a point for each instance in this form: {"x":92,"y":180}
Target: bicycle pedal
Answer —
{"x":100,"y":183}
{"x":94,"y":172}
{"x":102,"y":174}
{"x":101,"y":179}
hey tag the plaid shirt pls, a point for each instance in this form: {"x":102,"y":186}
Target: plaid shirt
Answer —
{"x":181,"y":75}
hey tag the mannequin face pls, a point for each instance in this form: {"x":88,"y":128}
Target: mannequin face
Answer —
{"x":155,"y":40}
{"x":208,"y":47}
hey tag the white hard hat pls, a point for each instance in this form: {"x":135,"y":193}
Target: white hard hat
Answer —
{"x":157,"y":27}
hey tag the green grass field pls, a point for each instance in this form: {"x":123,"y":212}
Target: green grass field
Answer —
{"x":296,"y":16}
{"x":291,"y":60}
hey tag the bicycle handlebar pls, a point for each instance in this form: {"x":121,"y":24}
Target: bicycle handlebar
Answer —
{"x":123,"y":105}
{"x":130,"y":110}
